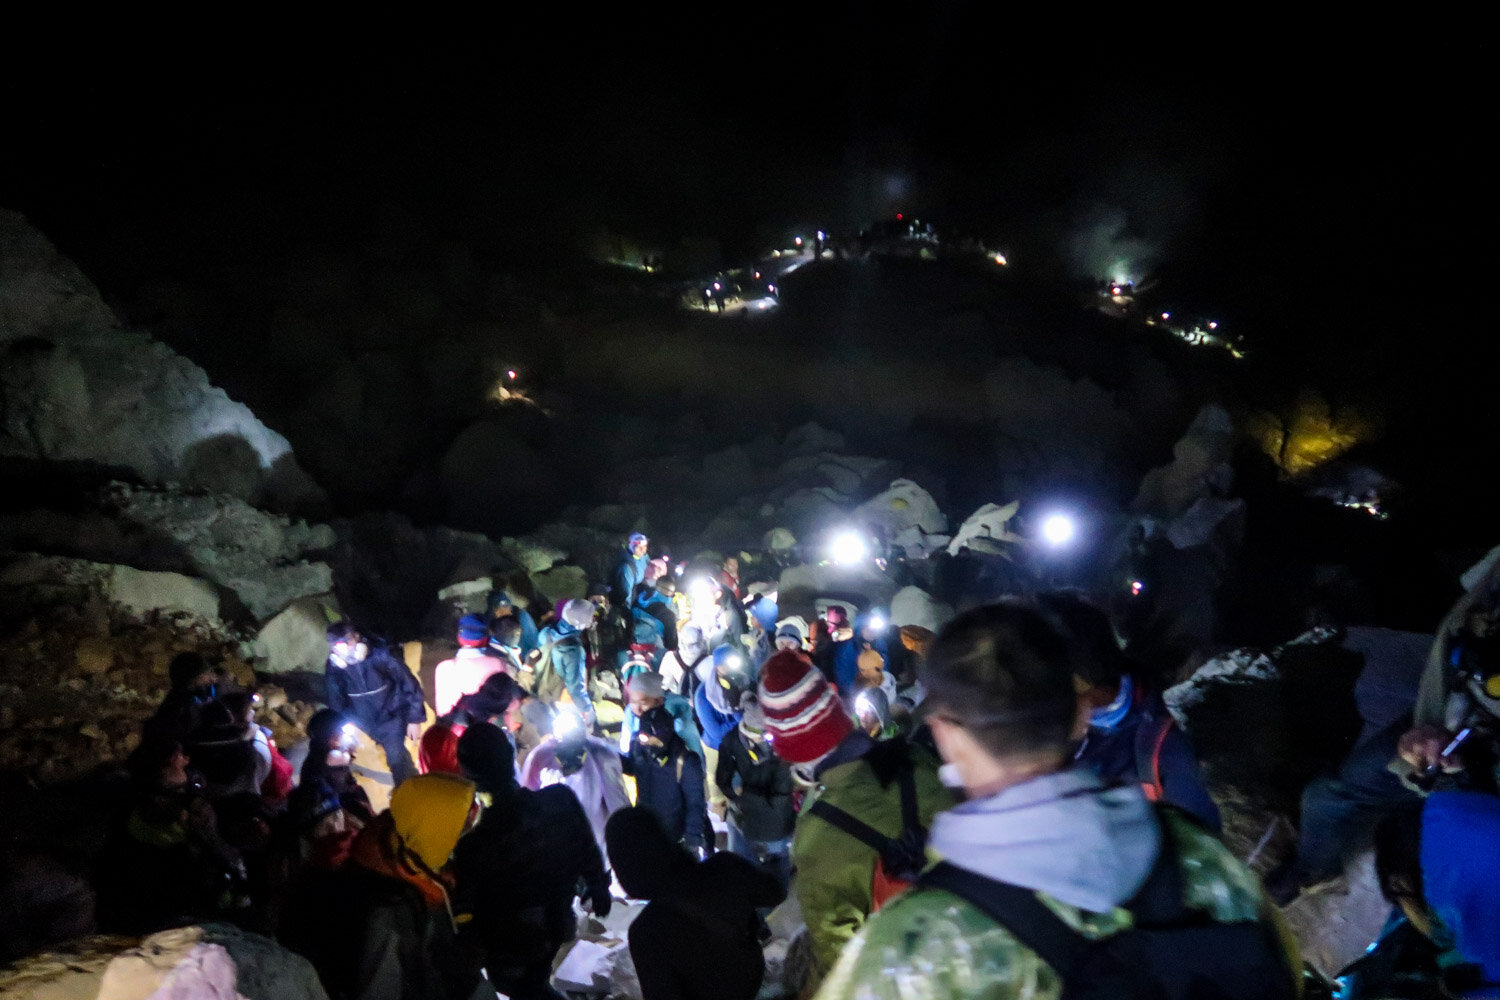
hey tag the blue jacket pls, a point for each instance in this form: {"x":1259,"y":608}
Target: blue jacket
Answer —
{"x":1460,"y":839}
{"x":629,"y":574}
{"x":1144,"y":745}
{"x":716,"y":724}
{"x":846,"y":656}
{"x":569,"y":660}
{"x":681,"y":712}
{"x":377,"y":691}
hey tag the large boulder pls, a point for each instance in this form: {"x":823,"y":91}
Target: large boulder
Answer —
{"x":33,"y":579}
{"x":296,"y":637}
{"x":914,"y":606}
{"x":259,"y":562}
{"x":75,"y":387}
{"x":1200,"y":467}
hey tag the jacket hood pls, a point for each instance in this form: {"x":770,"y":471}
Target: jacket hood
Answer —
{"x":1065,"y":834}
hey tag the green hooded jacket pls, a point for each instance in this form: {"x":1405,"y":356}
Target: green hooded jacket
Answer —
{"x":929,"y":944}
{"x":835,"y":871}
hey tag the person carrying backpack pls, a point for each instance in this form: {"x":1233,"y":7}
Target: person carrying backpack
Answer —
{"x":1053,"y":884}
{"x":562,"y":668}
{"x":861,"y":828}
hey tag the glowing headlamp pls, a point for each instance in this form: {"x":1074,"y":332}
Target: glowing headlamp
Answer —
{"x":864,"y":706}
{"x":1058,"y":530}
{"x":848,"y":547}
{"x":566,"y":725}
{"x":876,"y":623}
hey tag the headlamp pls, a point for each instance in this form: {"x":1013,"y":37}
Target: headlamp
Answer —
{"x":566,"y":725}
{"x":848,"y":547}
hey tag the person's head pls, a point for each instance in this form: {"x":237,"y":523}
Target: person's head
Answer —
{"x":572,"y":741}
{"x":345,"y":645}
{"x":488,"y":758}
{"x":789,"y":637}
{"x":690,"y":644}
{"x":666,"y":586}
{"x":502,"y":698}
{"x":473,"y":633}
{"x":599,"y":595}
{"x":641,"y":852}
{"x":638,"y":544}
{"x":646,"y":692}
{"x":873,"y":626}
{"x":429,"y":813}
{"x":1100,"y":666}
{"x":836,"y":617}
{"x":578,"y":613}
{"x":241,"y":708}
{"x":330,"y":741}
{"x":189,"y":671}
{"x":1000,"y":699}
{"x":763,"y":611}
{"x":733,"y":673}
{"x":805,"y":720}
{"x":732,"y":566}
{"x":159,"y":763}
{"x":507,"y":632}
{"x":501,"y":605}
{"x":752,"y":719}
{"x":870,"y":667}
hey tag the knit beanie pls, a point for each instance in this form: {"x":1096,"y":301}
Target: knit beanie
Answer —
{"x":487,"y":756}
{"x":647,"y":684}
{"x":473,"y":632}
{"x":793,"y":628}
{"x":804,"y":716}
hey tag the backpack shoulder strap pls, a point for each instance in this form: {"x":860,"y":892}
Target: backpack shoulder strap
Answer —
{"x":911,"y":818}
{"x":1150,"y":737}
{"x":838,"y":818}
{"x":1158,"y":902}
{"x":1019,"y":911}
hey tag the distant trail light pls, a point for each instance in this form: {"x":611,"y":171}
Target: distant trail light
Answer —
{"x":822,"y":235}
{"x":798,"y":241}
{"x":757,"y":275}
{"x":1166,"y":316}
{"x":771,"y":287}
{"x":1136,"y":586}
{"x":1058,"y":530}
{"x":1212,"y":325}
{"x":1000,"y":259}
{"x":899,"y":216}
{"x":718,"y":287}
{"x":848,"y":548}
{"x":510,"y":373}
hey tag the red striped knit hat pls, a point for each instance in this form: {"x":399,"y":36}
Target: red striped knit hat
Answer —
{"x":804,"y":717}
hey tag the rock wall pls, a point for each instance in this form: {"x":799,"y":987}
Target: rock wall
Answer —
{"x":76,"y":388}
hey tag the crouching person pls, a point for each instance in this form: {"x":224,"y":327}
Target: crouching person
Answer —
{"x":520,"y":869}
{"x":381,"y":927}
{"x":1051,"y":882}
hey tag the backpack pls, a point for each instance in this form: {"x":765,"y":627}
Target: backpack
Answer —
{"x":898,"y":860}
{"x":1150,"y":737}
{"x":547,"y":684}
{"x":1171,"y":953}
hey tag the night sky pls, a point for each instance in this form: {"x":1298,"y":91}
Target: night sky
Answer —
{"x":1324,"y":191}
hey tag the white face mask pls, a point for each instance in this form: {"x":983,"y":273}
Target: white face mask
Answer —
{"x":949,"y":776}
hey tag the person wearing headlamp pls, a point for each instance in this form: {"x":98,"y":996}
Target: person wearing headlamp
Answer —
{"x":723,"y":681}
{"x":586,"y":763}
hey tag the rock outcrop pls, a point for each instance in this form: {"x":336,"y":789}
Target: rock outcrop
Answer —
{"x":77,"y":388}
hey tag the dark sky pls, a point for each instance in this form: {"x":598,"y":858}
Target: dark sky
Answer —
{"x":1307,"y":180}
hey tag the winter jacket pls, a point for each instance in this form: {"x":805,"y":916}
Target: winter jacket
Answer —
{"x":654,"y":605}
{"x":1148,"y":740}
{"x":846,"y":657}
{"x":1083,"y":847}
{"x":762,"y":798}
{"x":518,"y":872}
{"x":715,"y":722}
{"x":565,"y":644}
{"x":461,"y":675}
{"x":835,"y":872}
{"x":673,"y":790}
{"x":711,"y":905}
{"x":599,"y":784}
{"x":1460,"y":839}
{"x":373,"y":933}
{"x":683,"y":722}
{"x":375,"y":692}
{"x":629,"y":574}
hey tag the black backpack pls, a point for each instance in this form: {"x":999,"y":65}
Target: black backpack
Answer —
{"x":1171,"y":953}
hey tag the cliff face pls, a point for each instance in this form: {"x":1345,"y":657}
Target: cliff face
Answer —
{"x":76,"y":388}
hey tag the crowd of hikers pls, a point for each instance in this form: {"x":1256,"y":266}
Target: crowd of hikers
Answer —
{"x":1002,"y":809}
